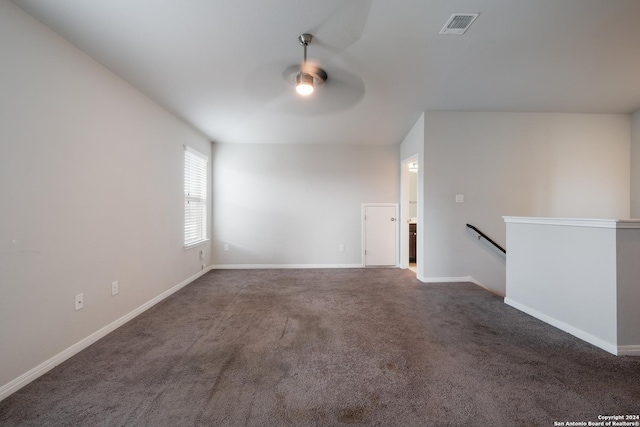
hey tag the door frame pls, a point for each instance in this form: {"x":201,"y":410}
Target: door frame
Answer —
{"x":363,"y":230}
{"x":404,"y":200}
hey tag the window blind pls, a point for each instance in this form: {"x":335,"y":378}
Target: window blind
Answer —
{"x":195,"y":196}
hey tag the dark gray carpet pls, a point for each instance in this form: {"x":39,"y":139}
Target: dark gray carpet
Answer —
{"x":330,"y":347}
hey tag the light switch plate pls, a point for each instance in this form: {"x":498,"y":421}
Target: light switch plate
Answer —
{"x":459,"y":198}
{"x":79,"y":301}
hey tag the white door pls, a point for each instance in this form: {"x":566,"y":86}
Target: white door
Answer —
{"x":380,"y":228}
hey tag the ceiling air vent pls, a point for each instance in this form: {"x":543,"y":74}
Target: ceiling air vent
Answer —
{"x":458,"y":23}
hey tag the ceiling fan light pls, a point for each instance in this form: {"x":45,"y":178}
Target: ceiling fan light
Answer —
{"x":304,"y":84}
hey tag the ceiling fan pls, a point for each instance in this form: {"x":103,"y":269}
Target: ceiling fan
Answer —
{"x":307,"y":88}
{"x":318,"y":89}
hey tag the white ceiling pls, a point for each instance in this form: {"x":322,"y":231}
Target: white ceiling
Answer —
{"x":218,"y":64}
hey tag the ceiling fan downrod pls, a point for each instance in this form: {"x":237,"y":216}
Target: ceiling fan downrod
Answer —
{"x":304,"y":79}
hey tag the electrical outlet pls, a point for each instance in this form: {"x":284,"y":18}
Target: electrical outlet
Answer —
{"x":341,"y":248}
{"x":114,"y":288}
{"x":226,"y":247}
{"x":79,"y":301}
{"x":202,"y":254}
{"x":204,"y":266}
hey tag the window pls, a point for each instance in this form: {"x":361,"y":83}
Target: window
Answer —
{"x":195,"y":197}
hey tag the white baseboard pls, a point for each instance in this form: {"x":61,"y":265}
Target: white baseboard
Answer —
{"x":279,"y":266}
{"x":579,"y":333}
{"x":24,"y":379}
{"x":629,"y":350}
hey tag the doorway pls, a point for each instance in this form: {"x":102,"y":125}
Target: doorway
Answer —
{"x":409,"y":218}
{"x":380,"y":234}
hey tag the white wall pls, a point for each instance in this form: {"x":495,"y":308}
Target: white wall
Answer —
{"x":91,"y":191}
{"x":579,"y":275}
{"x":518,"y":164}
{"x":566,"y":276}
{"x":413,"y":143}
{"x":635,"y":164}
{"x":283,"y":204}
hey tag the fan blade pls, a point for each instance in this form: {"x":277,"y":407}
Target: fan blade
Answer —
{"x":340,"y":29}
